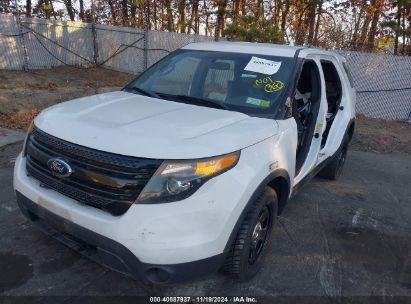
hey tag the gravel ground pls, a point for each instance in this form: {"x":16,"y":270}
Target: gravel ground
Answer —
{"x":351,"y":238}
{"x":35,"y":90}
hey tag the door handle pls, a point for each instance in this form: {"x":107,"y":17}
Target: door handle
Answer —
{"x":316,"y":135}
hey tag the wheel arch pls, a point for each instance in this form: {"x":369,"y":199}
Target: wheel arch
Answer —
{"x":281,"y":185}
{"x":279,"y":180}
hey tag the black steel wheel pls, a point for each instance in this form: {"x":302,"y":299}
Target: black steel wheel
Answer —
{"x":248,"y":249}
{"x":259,"y":236}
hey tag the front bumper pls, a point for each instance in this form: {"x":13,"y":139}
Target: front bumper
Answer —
{"x":110,"y":253}
{"x":191,"y":235}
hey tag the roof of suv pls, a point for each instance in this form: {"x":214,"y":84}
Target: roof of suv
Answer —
{"x":257,"y":48}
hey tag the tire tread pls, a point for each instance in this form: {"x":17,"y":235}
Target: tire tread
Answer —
{"x":232,"y":264}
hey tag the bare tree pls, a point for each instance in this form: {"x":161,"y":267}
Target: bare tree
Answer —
{"x":207,"y":15}
{"x":357,"y":19}
{"x":194,"y":17}
{"x":311,"y":20}
{"x":112,"y":11}
{"x":133,"y":12}
{"x":69,"y":8}
{"x":300,"y":21}
{"x":124,"y":11}
{"x":182,"y":15}
{"x":170,"y":23}
{"x":155,"y":14}
{"x":284,"y":13}
{"x":28,"y":8}
{"x":366,"y":25}
{"x":81,"y":13}
{"x":236,"y":11}
{"x":317,"y":24}
{"x":221,"y":6}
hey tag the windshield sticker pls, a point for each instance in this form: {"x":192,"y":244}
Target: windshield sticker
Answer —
{"x":258,"y":102}
{"x":248,"y":75}
{"x":269,"y":85}
{"x":261,"y":81}
{"x":274,"y":87}
{"x":262,"y":66}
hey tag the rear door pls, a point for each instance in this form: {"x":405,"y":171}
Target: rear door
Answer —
{"x":339,"y":103}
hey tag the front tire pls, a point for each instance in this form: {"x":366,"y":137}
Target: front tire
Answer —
{"x":247,"y":252}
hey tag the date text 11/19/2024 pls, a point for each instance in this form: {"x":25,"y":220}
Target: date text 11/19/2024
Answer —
{"x":203,"y":299}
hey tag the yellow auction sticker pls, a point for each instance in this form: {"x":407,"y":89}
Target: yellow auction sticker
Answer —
{"x":261,"y":81}
{"x":274,"y":87}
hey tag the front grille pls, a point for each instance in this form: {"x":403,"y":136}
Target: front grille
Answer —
{"x":103,"y":180}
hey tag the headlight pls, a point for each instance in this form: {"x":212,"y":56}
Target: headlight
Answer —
{"x":29,"y":130}
{"x":176,"y":180}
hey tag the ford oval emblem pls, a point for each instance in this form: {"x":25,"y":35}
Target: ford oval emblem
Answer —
{"x":59,"y":167}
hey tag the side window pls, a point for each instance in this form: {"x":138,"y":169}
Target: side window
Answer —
{"x":332,"y":86}
{"x":308,"y":87}
{"x":350,"y":79}
{"x":219,"y":75}
{"x":176,"y":78}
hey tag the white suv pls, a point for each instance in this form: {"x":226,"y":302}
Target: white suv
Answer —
{"x":184,"y":171}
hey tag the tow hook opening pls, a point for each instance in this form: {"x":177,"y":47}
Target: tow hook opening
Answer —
{"x":158,"y":275}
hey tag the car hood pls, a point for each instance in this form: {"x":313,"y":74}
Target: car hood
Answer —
{"x":136,"y":125}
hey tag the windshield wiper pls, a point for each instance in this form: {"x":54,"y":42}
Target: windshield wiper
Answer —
{"x":142,"y":91}
{"x":182,"y":98}
{"x":185,"y":98}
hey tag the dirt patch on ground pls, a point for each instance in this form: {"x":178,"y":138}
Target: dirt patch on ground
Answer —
{"x":39,"y":89}
{"x":17,"y":120}
{"x":24,"y":94}
{"x":382,"y":136}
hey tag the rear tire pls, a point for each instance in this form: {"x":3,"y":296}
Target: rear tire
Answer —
{"x":247,"y":252}
{"x":333,"y":169}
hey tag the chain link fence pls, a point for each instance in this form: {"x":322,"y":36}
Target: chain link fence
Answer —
{"x":383,"y":82}
{"x":31,"y":43}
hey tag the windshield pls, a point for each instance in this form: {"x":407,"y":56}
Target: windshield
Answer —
{"x":252,"y":84}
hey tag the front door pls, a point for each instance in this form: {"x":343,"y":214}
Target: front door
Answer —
{"x":309,"y":111}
